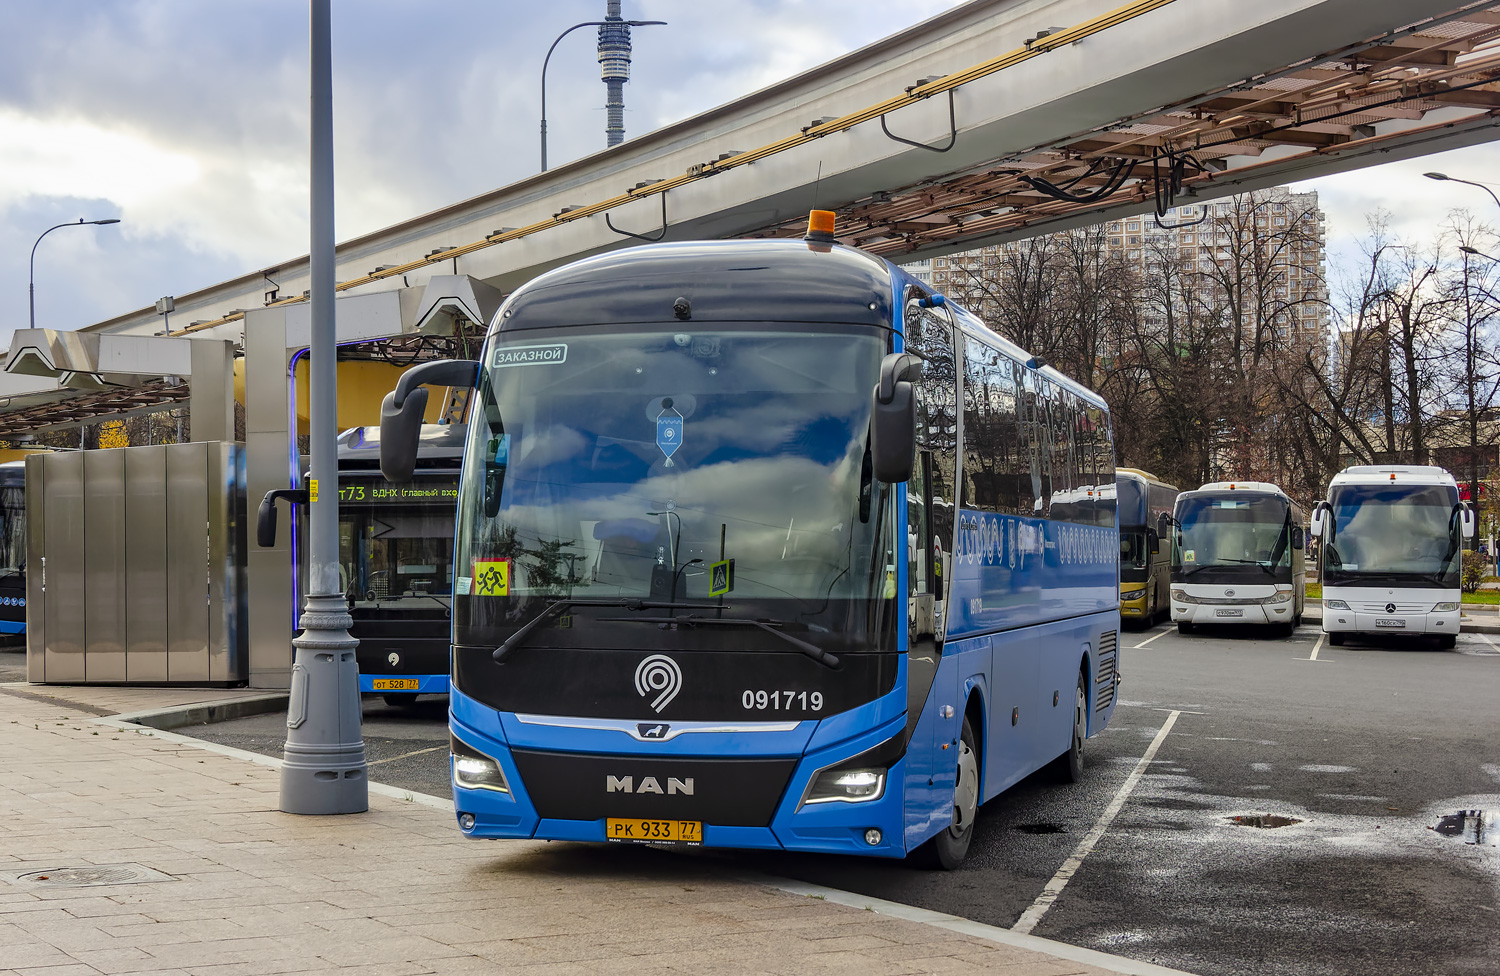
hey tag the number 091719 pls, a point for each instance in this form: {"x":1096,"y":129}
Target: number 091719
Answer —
{"x":782,"y":701}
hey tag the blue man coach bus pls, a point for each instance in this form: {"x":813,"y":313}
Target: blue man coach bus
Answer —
{"x":761,"y":544}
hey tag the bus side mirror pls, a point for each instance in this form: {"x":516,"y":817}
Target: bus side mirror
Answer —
{"x":1319,"y":521}
{"x":265,"y":517}
{"x":402,"y":411}
{"x":1153,"y":539}
{"x":1468,"y":522}
{"x":1297,"y":538}
{"x":893,"y":419}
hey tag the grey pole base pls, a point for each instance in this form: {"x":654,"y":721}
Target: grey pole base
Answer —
{"x":323,"y":770}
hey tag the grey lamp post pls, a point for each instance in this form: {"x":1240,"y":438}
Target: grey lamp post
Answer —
{"x":323,"y":770}
{"x":1444,"y":177}
{"x":31,"y":283}
{"x":586,"y":23}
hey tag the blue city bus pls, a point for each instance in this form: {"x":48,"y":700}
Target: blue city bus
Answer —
{"x":12,"y":552}
{"x":702,"y":482}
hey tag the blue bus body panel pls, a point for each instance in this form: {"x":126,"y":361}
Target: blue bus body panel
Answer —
{"x":427,"y":684}
{"x":555,"y":734}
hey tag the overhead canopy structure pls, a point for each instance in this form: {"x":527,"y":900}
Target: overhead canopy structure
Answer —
{"x":996,"y":120}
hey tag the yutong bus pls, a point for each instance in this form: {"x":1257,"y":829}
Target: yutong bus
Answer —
{"x":761,"y":545}
{"x":1392,"y":541}
{"x":1145,"y":557}
{"x":1238,"y":557}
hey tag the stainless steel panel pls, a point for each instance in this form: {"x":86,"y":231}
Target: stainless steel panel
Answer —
{"x":63,"y":604}
{"x":36,"y":602}
{"x":270,"y":596}
{"x":188,"y":567}
{"x":225,"y":497}
{"x":104,"y":565}
{"x":268,"y":464}
{"x":146,"y":563}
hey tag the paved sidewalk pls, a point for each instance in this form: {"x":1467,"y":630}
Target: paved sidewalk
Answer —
{"x":225,"y":884}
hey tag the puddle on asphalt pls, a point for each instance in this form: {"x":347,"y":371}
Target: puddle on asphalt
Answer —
{"x":1041,"y":828}
{"x":1264,"y":820}
{"x":1471,"y":827}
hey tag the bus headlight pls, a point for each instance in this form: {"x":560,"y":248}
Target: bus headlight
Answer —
{"x":1280,"y":596}
{"x":858,"y":779}
{"x":1181,"y":596}
{"x":1133,"y":594}
{"x":1335,"y":605}
{"x":1444,"y":607}
{"x":850,"y":785}
{"x":473,"y":770}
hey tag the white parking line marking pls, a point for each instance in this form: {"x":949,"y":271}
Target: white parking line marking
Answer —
{"x":1150,"y":639}
{"x":1033,"y":915}
{"x":1316,"y":646}
{"x":1486,"y":638}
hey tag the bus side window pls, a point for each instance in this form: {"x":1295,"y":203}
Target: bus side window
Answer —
{"x":930,"y":335}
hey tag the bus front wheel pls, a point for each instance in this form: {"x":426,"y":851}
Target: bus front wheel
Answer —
{"x":1184,"y":627}
{"x":1335,"y":640}
{"x":949,"y":848}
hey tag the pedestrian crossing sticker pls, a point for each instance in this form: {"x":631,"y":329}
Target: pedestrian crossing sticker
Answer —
{"x":720,"y":577}
{"x":492,"y":577}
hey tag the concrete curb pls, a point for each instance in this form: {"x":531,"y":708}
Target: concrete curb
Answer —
{"x":207,"y":713}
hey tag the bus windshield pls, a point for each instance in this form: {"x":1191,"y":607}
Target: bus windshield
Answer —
{"x":1134,"y":551}
{"x":704,"y":466}
{"x":1232,"y":536}
{"x":1383,"y":534}
{"x":396,"y":541}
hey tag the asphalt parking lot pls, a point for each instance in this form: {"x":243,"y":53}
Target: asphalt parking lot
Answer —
{"x":1303,"y":814}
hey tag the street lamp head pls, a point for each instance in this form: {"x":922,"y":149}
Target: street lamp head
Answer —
{"x":1467,"y":249}
{"x":106,"y":220}
{"x":645,"y":23}
{"x":1437,"y":176}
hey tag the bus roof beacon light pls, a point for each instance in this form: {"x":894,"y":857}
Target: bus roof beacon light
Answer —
{"x":821,"y":227}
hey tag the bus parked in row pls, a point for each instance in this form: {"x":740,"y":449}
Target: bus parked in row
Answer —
{"x":1145,"y":551}
{"x":1392,"y":541}
{"x":1237,"y":557}
{"x":761,"y":544}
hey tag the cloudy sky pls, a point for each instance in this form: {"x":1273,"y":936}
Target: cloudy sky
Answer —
{"x":187,"y":119}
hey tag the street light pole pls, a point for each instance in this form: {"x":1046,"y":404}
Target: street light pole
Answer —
{"x":1444,"y":177}
{"x":323,"y":770}
{"x":548,"y":58}
{"x":31,"y":283}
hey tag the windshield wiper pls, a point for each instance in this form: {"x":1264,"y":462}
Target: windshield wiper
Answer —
{"x":557,"y":607}
{"x":825,"y":658}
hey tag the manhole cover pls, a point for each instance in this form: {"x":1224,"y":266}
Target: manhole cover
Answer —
{"x":90,"y":875}
{"x":1264,"y":820}
{"x":1471,"y":827}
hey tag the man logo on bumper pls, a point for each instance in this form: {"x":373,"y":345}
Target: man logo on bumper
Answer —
{"x":648,"y":731}
{"x":648,"y":784}
{"x":658,"y":673}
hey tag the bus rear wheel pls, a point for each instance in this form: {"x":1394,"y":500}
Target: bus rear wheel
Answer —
{"x":1069,"y":765}
{"x":949,"y":848}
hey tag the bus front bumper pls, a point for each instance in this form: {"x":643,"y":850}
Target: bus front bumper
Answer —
{"x":1361,"y":622}
{"x":558,"y":796}
{"x":1244,"y":613}
{"x":1133,"y":609}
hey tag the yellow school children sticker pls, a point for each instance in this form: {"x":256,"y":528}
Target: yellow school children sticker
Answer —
{"x":492,"y":577}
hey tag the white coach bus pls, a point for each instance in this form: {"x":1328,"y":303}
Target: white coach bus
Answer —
{"x":1392,"y":542}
